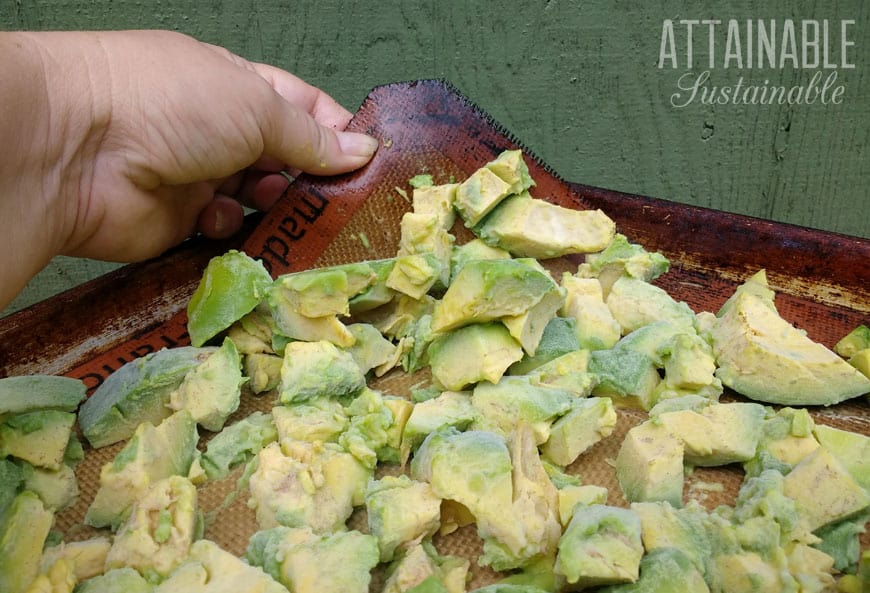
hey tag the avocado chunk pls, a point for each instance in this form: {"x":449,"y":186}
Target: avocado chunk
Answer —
{"x":231,"y":286}
{"x":237,"y":444}
{"x":87,"y":558}
{"x":851,"y":449}
{"x":622,"y":258}
{"x":117,"y":580}
{"x":57,"y":488}
{"x":413,"y":274}
{"x":423,"y":233}
{"x":473,"y":353}
{"x":157,"y":535}
{"x":487,"y":290}
{"x":511,"y":168}
{"x":40,"y":437}
{"x":649,"y":465}
{"x":686,"y":529}
{"x":572,"y":497}
{"x":263,"y":371}
{"x":856,"y":340}
{"x":370,"y":349}
{"x":596,"y":327}
{"x":665,"y":570}
{"x":11,"y":479}
{"x":479,"y":194}
{"x":31,"y":393}
{"x":212,"y":390}
{"x":401,"y":511}
{"x":587,"y":422}
{"x":762,"y":356}
{"x":209,"y":569}
{"x":318,"y":369}
{"x":422,"y":570}
{"x":291,"y":325}
{"x":152,"y":454}
{"x":635,"y":303}
{"x":137,"y":392}
{"x":436,"y":202}
{"x":24,"y":528}
{"x":558,"y":338}
{"x":628,"y":377}
{"x":786,"y":439}
{"x":474,"y":249}
{"x":323,"y":291}
{"x":449,"y":409}
{"x":306,"y":562}
{"x":530,"y":227}
{"x":600,"y":546}
{"x":317,"y":419}
{"x":528,"y":327}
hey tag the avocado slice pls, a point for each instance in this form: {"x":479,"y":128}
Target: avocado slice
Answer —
{"x":24,"y":528}
{"x":40,"y":437}
{"x":473,"y":353}
{"x":29,"y":393}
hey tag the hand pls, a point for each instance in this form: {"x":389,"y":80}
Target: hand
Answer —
{"x":125,"y":143}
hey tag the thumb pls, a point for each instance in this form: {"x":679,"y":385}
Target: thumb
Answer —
{"x":292,"y":136}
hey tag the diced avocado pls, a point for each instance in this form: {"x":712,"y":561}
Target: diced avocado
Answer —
{"x":401,"y":409}
{"x":528,"y":327}
{"x":318,"y":369}
{"x":323,"y":292}
{"x":842,"y":541}
{"x":487,"y":290}
{"x":749,"y":572}
{"x":57,"y":488}
{"x":649,"y":465}
{"x":39,"y":437}
{"x":626,"y":376}
{"x":237,"y":444}
{"x":436,"y":202}
{"x":786,"y":438}
{"x":252,"y":334}
{"x":30,"y":393}
{"x":473,"y":250}
{"x":600,"y":546}
{"x":587,"y":422}
{"x":569,"y":372}
{"x":378,"y":293}
{"x":558,"y":476}
{"x":370,"y":349}
{"x":596,"y":327}
{"x":399,"y":317}
{"x":117,"y":580}
{"x":306,"y":562}
{"x":137,"y":392}
{"x":517,"y":400}
{"x":635,"y":303}
{"x":511,"y":168}
{"x":400,"y":512}
{"x":529,"y":227}
{"x":231,"y":286}
{"x":764,"y":496}
{"x":414,"y":274}
{"x":689,"y":363}
{"x":422,"y":570}
{"x":88,"y":557}
{"x":415,"y":355}
{"x":160,"y":529}
{"x":24,"y":528}
{"x":11,"y":478}
{"x":685,"y":529}
{"x":654,"y":340}
{"x":422,"y":234}
{"x":823,"y":490}
{"x":622,"y":258}
{"x":558,"y":338}
{"x":367,"y":432}
{"x":151,"y":454}
{"x":861,"y":361}
{"x":717,"y":434}
{"x":856,"y":340}
{"x":850,"y":448}
{"x":666,"y":570}
{"x":762,"y":356}
{"x":301,"y":484}
{"x":263,"y":371}
{"x":292,"y":325}
{"x":317,"y":419}
{"x":479,"y":194}
{"x":451,"y":409}
{"x":211,"y":391}
{"x":209,"y":569}
{"x":473,"y":353}
{"x":571,"y":496}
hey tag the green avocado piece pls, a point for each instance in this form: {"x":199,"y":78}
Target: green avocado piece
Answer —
{"x":856,"y":340}
{"x":263,"y":371}
{"x":487,"y":290}
{"x":317,"y":419}
{"x":474,"y":249}
{"x":151,"y":454}
{"x":137,"y":392}
{"x":558,"y":338}
{"x":472,"y":353}
{"x":529,"y":227}
{"x":436,"y":202}
{"x":237,"y":444}
{"x":370,"y":348}
{"x":762,"y":356}
{"x":212,"y":390}
{"x":378,"y":293}
{"x":40,"y":437}
{"x":689,"y":529}
{"x":231,"y":286}
{"x":850,"y":448}
{"x":58,"y":489}
{"x":401,"y":511}
{"x":622,"y":258}
{"x":588,"y":421}
{"x":11,"y":478}
{"x":450,"y":408}
{"x":626,"y":376}
{"x":24,"y":527}
{"x":665,"y":570}
{"x":413,"y":274}
{"x":596,"y":327}
{"x":422,"y":233}
{"x":649,"y":465}
{"x":117,"y":580}
{"x":30,"y":393}
{"x":318,"y":369}
{"x":511,"y":168}
{"x":600,"y":546}
{"x":635,"y":303}
{"x":528,"y":327}
{"x":842,"y":541}
{"x":323,"y":291}
{"x":479,"y":194}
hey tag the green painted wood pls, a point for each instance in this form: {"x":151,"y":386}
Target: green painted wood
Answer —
{"x":577,"y":83}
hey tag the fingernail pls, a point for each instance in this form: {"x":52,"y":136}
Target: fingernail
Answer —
{"x":356,"y":144}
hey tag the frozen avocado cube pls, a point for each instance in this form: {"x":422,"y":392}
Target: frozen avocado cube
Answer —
{"x":422,"y":570}
{"x":367,"y":432}
{"x":861,"y":361}
{"x":291,"y":325}
{"x":635,"y":303}
{"x":370,"y":349}
{"x":160,"y":529}
{"x":378,"y":293}
{"x":473,"y":250}
{"x":587,"y":422}
{"x":309,"y":563}
{"x":649,"y":466}
{"x":137,"y":392}
{"x":231,"y":286}
{"x":842,"y":541}
{"x":666,"y":570}
{"x":510,"y":166}
{"x":57,"y":488}
{"x":318,"y":419}
{"x":762,"y":356}
{"x":568,"y":372}
{"x":596,"y":328}
{"x":786,"y":438}
{"x":237,"y":444}
{"x":401,"y":511}
{"x":583,"y":495}
{"x":686,"y":529}
{"x":24,"y":528}
{"x":415,"y":273}
{"x":529,"y":227}
{"x":622,"y":258}
{"x":479,"y":194}
{"x":600,"y":546}
{"x":487,"y":290}
{"x":30,"y":393}
{"x":263,"y":371}
{"x":324,"y":291}
{"x":39,"y":437}
{"x":318,"y":369}
{"x":448,"y":409}
{"x":856,"y":340}
{"x":473,"y":353}
{"x":628,"y":377}
{"x":528,"y":327}
{"x":152,"y":454}
{"x":436,"y":202}
{"x":421,"y":234}
{"x":212,"y":390}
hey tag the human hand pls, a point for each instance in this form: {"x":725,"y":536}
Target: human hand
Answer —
{"x":140,"y":138}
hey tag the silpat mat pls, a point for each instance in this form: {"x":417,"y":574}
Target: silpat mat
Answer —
{"x":821,"y":280}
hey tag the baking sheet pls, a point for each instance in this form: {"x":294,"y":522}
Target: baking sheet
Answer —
{"x":822,"y":281}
